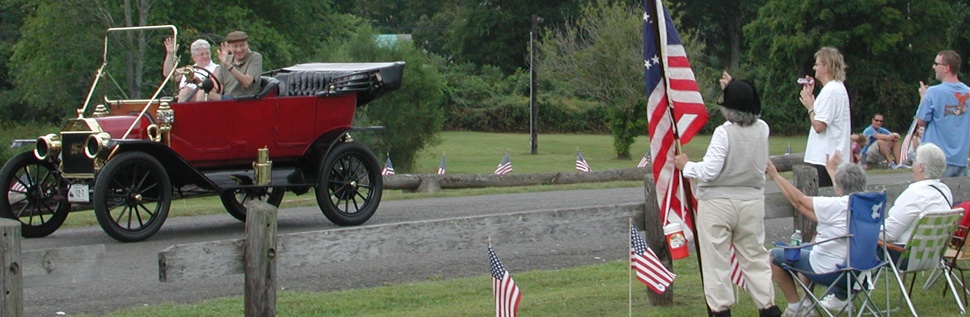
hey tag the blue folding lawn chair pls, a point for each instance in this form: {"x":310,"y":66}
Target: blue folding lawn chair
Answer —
{"x":856,"y":277}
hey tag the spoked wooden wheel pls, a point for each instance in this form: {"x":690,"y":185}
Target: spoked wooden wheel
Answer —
{"x":132,"y":197}
{"x":350,"y":184}
{"x":31,"y":195}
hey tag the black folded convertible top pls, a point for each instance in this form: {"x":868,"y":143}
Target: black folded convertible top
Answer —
{"x":368,"y":80}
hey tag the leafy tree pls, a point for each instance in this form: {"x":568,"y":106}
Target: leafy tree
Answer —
{"x":599,"y":58}
{"x":601,"y":55}
{"x":53,"y":62}
{"x":411,"y":116}
{"x":492,"y":33}
{"x":718,"y":24}
{"x":888,"y":45}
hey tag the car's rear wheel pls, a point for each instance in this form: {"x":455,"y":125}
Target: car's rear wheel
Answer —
{"x":132,"y":196}
{"x":31,"y":186}
{"x":350,"y":184}
{"x":235,"y":200}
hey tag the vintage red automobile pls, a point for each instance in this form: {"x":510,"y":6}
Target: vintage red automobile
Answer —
{"x":132,"y":149}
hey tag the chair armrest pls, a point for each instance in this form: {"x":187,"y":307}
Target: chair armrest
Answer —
{"x":891,"y":246}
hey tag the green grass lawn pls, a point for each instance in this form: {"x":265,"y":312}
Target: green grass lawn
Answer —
{"x":595,"y":290}
{"x":480,"y":153}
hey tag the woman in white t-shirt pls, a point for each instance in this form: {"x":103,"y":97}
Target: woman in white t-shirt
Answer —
{"x":202,"y":56}
{"x":828,"y":113}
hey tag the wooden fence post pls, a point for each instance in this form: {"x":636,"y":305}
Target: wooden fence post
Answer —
{"x":806,"y":180}
{"x":260,"y":259}
{"x":11,"y":277}
{"x":654,"y":234}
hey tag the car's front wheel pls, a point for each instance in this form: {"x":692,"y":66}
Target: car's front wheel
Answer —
{"x":132,"y":196}
{"x":29,"y":196}
{"x":350,"y":184}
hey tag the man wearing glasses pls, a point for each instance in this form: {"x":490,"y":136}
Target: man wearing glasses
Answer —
{"x":943,"y":111}
{"x":881,"y":143}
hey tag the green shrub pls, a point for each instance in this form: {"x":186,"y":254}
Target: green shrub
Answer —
{"x":10,"y":131}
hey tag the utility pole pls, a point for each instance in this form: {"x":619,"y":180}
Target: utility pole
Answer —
{"x":533,"y":113}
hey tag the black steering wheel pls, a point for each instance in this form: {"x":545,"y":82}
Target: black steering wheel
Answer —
{"x":207,"y":75}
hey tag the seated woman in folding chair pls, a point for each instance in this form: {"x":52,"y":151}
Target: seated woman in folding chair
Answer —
{"x":830,"y":213}
{"x":926,"y":194}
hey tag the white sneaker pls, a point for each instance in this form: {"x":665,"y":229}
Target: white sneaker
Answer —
{"x":799,"y":311}
{"x":833,"y":304}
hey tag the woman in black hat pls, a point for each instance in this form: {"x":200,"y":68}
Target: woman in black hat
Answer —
{"x":731,"y":201}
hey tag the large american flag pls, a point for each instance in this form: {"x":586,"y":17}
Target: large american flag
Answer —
{"x":388,"y":168}
{"x":441,"y":166}
{"x":672,"y":94}
{"x":505,"y":166}
{"x":650,"y":271}
{"x":581,"y":164}
{"x":504,"y":290}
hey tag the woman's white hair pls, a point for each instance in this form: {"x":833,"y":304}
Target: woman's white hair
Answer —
{"x":932,"y":158}
{"x":199,"y":45}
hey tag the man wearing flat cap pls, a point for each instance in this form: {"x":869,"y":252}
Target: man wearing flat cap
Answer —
{"x":731,"y":202}
{"x":241,"y":67}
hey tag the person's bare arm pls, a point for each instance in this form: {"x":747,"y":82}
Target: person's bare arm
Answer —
{"x":798,"y":200}
{"x":169,"y":61}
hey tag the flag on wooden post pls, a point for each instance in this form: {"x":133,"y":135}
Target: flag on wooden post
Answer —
{"x":505,"y":166}
{"x":650,"y":271}
{"x":388,"y":168}
{"x":675,"y":109}
{"x":441,"y":166}
{"x":504,"y":290}
{"x":645,"y":160}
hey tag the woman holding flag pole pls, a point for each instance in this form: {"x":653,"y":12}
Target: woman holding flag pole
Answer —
{"x":730,"y":199}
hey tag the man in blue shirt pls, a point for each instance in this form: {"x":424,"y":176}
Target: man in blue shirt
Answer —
{"x":943,"y":111}
{"x":881,"y":143}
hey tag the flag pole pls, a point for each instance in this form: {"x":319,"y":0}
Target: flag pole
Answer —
{"x":688,"y":197}
{"x":629,"y":269}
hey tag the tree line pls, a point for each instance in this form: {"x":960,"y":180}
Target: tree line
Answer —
{"x":468,"y":65}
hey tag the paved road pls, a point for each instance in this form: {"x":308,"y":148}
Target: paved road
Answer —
{"x":130,"y":274}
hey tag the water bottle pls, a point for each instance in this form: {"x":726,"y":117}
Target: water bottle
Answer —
{"x":796,"y":238}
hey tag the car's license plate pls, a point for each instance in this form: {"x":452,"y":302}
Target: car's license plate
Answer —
{"x":78,"y":193}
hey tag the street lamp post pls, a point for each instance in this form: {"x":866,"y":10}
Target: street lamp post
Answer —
{"x":533,"y":113}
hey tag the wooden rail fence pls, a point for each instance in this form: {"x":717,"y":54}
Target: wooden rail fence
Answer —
{"x":298,"y":250}
{"x":40,"y":267}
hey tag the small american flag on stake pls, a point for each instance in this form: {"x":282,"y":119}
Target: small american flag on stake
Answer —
{"x":505,"y":167}
{"x":645,"y":160}
{"x":504,"y":290}
{"x":650,"y":271}
{"x":441,"y":166}
{"x":388,"y":168}
{"x":581,"y":164}
{"x":19,"y":185}
{"x":737,"y":276}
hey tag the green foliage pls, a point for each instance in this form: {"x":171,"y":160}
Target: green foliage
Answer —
{"x":599,"y":58}
{"x":492,"y":33}
{"x":888,"y":45}
{"x":10,"y":131}
{"x":626,"y":123}
{"x":61,"y":47}
{"x":412,"y":116}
